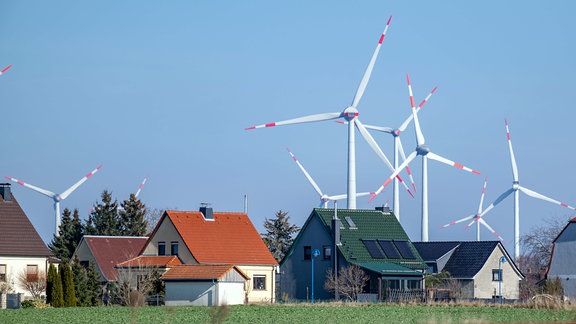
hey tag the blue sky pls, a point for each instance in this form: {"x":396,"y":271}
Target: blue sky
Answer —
{"x":166,"y":90}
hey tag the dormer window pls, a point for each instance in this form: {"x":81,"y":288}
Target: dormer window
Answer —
{"x":161,"y":248}
{"x":174,"y":248}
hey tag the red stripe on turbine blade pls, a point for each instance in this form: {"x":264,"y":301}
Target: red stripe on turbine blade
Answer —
{"x":475,"y":172}
{"x":250,"y":128}
{"x":270,"y":125}
{"x":387,"y":182}
{"x":410,"y":192}
{"x":6,"y":68}
{"x":398,"y":177}
{"x":412,"y":101}
{"x":381,"y":39}
{"x":20,"y":182}
{"x":414,"y":186}
{"x":563,"y":205}
{"x":388,"y":23}
{"x":458,"y":165}
{"x":408,"y":170}
{"x":508,"y":135}
{"x":372,"y":198}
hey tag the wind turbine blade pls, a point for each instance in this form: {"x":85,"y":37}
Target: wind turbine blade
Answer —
{"x":409,"y":119}
{"x":312,"y":182}
{"x":370,"y":67}
{"x":5,"y":69}
{"x":512,"y":158}
{"x":482,"y":196}
{"x":27,"y":185}
{"x":403,"y":155}
{"x":419,"y":136}
{"x":77,"y":184}
{"x":451,"y":163}
{"x":394,"y":174}
{"x":534,"y":194}
{"x":305,"y":119}
{"x":458,"y":221}
{"x":492,"y":205}
{"x":140,"y":187}
{"x":388,"y":130}
{"x":483,"y":222}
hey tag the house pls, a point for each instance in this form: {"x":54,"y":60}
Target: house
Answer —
{"x":108,"y":251}
{"x":205,"y":285}
{"x":371,"y":239}
{"x":206,"y":237}
{"x":22,"y":251}
{"x":483,"y":269}
{"x":562,"y":263}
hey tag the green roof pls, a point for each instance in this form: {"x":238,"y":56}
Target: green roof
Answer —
{"x":370,"y":225}
{"x":388,"y":268}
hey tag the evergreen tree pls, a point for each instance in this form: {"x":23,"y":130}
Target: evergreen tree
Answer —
{"x":70,"y":232}
{"x":133,"y":217}
{"x":69,"y":294}
{"x":279,"y":234}
{"x":52,"y":273}
{"x":56,"y":294}
{"x":104,"y":220}
{"x":93,"y":287}
{"x":80,"y":276}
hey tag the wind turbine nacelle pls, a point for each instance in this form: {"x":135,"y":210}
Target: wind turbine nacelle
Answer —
{"x":422,"y":150}
{"x":350,"y":113}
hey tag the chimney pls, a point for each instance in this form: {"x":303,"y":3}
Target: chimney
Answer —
{"x":384,"y":209}
{"x":206,"y":210}
{"x":5,"y":191}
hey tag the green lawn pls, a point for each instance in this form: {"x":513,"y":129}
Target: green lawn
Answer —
{"x":373,"y":313}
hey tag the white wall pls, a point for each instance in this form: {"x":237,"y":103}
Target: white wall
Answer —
{"x":16,"y":265}
{"x":200,"y":293}
{"x":260,"y":296}
{"x":484,"y":286}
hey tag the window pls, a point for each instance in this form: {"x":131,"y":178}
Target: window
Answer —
{"x":327,"y":252}
{"x":2,"y":273}
{"x":174,"y":248}
{"x":259,"y":282}
{"x":307,"y":252}
{"x":32,"y":272}
{"x":496,"y":274}
{"x":161,"y":248}
{"x":85,"y":264}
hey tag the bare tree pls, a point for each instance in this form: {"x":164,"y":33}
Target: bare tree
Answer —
{"x":350,"y":281}
{"x":135,"y":282}
{"x":537,"y":242}
{"x":35,"y":284}
{"x":152,"y":217}
{"x":530,"y":267}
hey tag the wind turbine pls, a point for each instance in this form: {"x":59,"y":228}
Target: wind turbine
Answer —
{"x":516,"y":188}
{"x":57,"y":197}
{"x":399,"y":150}
{"x":424,"y":151}
{"x":140,"y":187}
{"x":350,"y":114}
{"x":324,"y":199}
{"x":480,"y":220}
{"x":5,"y":69}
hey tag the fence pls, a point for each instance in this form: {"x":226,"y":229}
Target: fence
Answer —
{"x":405,"y":296}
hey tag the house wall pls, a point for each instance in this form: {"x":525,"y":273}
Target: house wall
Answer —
{"x":16,"y":265}
{"x":259,"y":296}
{"x":85,"y":255}
{"x":230,"y":293}
{"x":563,"y":266}
{"x":296,"y":280}
{"x":167,"y":233}
{"x":485,"y":287}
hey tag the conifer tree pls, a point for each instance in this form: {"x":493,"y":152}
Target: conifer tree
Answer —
{"x":93,"y":287}
{"x":56,"y":294}
{"x":80,"y":276}
{"x":278,"y":237}
{"x":70,"y":232}
{"x":52,"y":273}
{"x":133,"y":217}
{"x":69,"y":294}
{"x":104,"y":220}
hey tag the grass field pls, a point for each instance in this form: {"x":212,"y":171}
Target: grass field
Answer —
{"x":300,"y":313}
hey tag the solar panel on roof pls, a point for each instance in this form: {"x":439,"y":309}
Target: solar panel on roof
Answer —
{"x":373,"y":249}
{"x":404,"y":249}
{"x":350,"y":222}
{"x":389,"y":249}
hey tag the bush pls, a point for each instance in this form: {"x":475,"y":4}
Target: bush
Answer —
{"x":28,"y":304}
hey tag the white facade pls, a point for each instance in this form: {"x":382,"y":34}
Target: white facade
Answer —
{"x":17,"y":265}
{"x":484,"y":285}
{"x":204,"y":293}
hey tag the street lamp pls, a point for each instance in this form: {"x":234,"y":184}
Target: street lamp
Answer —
{"x":500,"y":261}
{"x":315,"y":253}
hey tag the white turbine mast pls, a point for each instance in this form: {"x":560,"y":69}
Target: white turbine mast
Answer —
{"x":324,"y":198}
{"x":56,"y":197}
{"x":516,"y":188}
{"x":350,"y":114}
{"x":480,"y":220}
{"x":424,"y":151}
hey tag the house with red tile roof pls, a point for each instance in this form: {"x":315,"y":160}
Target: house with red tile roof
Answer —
{"x":206,"y":237}
{"x":108,"y":251}
{"x":205,"y":285}
{"x":22,"y":250}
